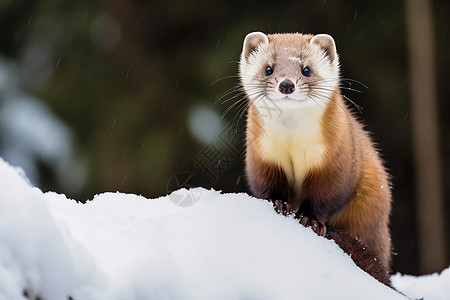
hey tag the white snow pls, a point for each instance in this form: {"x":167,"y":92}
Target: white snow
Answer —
{"x":430,"y":287}
{"x":124,"y":246}
{"x":294,"y":58}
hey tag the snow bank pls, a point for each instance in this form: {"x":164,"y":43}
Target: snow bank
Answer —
{"x":430,"y":287}
{"x":122,"y":246}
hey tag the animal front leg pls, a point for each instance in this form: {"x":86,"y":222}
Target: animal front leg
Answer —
{"x":282,"y":207}
{"x":318,"y":227}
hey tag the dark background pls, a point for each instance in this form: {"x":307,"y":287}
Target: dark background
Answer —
{"x":133,"y":83}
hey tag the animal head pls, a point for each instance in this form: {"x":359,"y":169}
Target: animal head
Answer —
{"x":291,"y":70}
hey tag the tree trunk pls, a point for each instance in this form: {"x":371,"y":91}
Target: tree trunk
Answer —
{"x":429,"y":190}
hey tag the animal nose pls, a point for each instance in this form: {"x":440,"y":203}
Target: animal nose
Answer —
{"x":286,"y":87}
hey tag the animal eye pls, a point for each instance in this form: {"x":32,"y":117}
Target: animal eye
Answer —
{"x":269,"y":71}
{"x":306,"y":72}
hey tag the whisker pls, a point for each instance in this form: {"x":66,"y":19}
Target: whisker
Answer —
{"x":231,"y":107}
{"x":239,"y":102}
{"x":238,"y":89}
{"x":349,"y":81}
{"x":228,"y":92}
{"x":318,"y":100}
{"x":324,"y":89}
{"x":223,"y":78}
{"x":341,"y":87}
{"x":322,"y":95}
{"x":358,"y":107}
{"x":242,"y":109}
{"x":238,"y":95}
{"x":350,"y":89}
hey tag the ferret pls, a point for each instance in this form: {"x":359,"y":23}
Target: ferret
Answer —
{"x":304,"y":146}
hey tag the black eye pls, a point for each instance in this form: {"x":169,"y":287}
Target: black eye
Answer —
{"x":269,"y":71}
{"x":306,"y":72}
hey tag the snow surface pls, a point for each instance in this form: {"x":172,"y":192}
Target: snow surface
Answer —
{"x":430,"y":287}
{"x":124,"y":246}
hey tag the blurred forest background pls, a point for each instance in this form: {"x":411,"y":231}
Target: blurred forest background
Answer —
{"x":119,"y":95}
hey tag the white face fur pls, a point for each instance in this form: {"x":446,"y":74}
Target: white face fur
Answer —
{"x":289,"y":71}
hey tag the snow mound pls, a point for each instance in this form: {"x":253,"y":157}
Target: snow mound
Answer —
{"x":123,"y":246}
{"x":430,"y":287}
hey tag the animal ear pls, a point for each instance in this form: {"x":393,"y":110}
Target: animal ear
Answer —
{"x":252,"y":41}
{"x":327,"y":44}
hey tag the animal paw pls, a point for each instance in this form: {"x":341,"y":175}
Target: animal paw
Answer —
{"x":318,"y":227}
{"x":281,"y":207}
